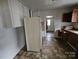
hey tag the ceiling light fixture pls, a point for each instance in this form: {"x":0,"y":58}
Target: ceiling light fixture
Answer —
{"x":49,"y":16}
{"x":53,"y":0}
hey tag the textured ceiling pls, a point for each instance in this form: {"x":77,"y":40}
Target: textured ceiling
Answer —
{"x":48,"y":4}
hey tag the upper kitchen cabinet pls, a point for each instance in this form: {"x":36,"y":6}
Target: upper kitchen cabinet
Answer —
{"x":25,"y":11}
{"x":71,"y":16}
{"x":5,"y":19}
{"x":67,"y":17}
{"x":11,"y":13}
{"x":75,"y":15}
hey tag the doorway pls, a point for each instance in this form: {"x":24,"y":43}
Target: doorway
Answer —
{"x":50,"y":24}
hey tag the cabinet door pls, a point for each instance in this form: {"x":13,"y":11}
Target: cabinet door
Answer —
{"x":1,"y":22}
{"x":64,"y":17}
{"x":73,"y":39}
{"x":5,"y":19}
{"x":16,"y":12}
{"x":67,"y":17}
{"x":75,"y":15}
{"x":25,"y":11}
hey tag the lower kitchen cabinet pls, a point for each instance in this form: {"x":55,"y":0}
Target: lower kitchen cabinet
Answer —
{"x":72,"y":39}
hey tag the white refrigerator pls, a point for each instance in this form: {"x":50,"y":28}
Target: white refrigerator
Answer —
{"x":33,"y":35}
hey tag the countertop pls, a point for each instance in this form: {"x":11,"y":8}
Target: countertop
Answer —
{"x":73,"y":31}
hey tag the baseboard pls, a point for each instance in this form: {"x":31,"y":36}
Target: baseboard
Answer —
{"x":19,"y":53}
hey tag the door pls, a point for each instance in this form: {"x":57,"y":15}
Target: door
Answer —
{"x":33,"y":33}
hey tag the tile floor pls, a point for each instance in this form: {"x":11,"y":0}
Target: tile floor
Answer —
{"x":51,"y":49}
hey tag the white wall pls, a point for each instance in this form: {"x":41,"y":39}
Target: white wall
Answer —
{"x":57,"y":13}
{"x":12,"y":39}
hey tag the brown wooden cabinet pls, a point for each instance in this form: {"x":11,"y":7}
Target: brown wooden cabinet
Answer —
{"x":70,"y":16}
{"x":72,"y":39}
{"x":67,"y":17}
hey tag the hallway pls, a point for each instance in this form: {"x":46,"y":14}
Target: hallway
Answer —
{"x":52,"y":49}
